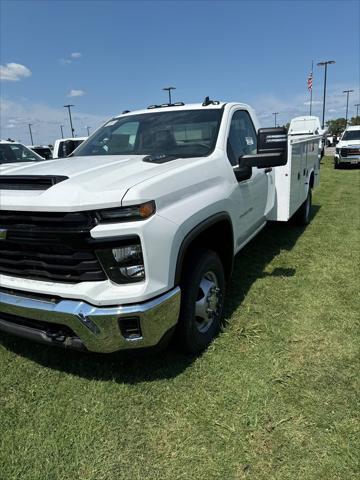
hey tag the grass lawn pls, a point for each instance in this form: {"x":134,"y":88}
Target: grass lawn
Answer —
{"x":274,"y":397}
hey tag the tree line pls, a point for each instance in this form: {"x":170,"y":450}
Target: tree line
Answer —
{"x":337,"y":126}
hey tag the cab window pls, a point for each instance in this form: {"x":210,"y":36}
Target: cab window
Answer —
{"x":242,"y":138}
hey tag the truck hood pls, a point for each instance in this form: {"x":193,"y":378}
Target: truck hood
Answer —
{"x":94,"y":181}
{"x":348,"y":143}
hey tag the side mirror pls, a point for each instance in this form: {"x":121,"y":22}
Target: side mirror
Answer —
{"x":271,"y":150}
{"x":264,"y":160}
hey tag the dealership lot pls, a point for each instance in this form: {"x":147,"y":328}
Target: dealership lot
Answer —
{"x":274,"y":396}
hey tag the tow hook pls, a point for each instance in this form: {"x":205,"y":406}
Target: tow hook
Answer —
{"x":56,"y":336}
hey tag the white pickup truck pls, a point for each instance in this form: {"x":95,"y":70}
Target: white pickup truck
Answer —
{"x":63,"y":147}
{"x":133,"y":239}
{"x":347,"y":151}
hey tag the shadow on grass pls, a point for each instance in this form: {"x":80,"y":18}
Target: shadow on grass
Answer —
{"x":348,"y":166}
{"x":145,"y":366}
{"x":251,"y":262}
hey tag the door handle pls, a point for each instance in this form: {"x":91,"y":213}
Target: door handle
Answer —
{"x":299,"y":176}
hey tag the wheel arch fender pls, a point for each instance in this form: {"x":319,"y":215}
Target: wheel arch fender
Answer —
{"x":215,"y":232}
{"x":311,"y":178}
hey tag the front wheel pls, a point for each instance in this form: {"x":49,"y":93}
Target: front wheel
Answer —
{"x":337,"y":164}
{"x":304,"y":213}
{"x":203,"y":289}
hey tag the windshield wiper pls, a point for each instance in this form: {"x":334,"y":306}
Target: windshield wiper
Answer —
{"x":160,"y":158}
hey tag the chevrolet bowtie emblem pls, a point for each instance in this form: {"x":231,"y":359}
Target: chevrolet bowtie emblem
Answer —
{"x":3,"y":233}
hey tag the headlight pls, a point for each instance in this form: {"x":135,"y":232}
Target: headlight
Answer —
{"x":123,"y":263}
{"x":126,"y":214}
{"x":130,"y":262}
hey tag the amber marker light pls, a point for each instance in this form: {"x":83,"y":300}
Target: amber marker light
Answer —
{"x":147,"y":209}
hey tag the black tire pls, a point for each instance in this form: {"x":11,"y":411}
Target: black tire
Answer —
{"x":203,"y":268}
{"x":336,"y":164}
{"x":303,"y":215}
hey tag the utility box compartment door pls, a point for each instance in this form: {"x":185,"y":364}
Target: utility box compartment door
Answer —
{"x":292,"y":180}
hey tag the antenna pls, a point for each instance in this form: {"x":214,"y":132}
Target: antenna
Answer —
{"x":207,"y":102}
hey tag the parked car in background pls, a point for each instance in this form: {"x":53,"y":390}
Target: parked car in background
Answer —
{"x":348,"y":148}
{"x":330,"y":140}
{"x":42,"y":150}
{"x":133,"y":239}
{"x":309,"y":125}
{"x":14,"y":152}
{"x":63,"y":147}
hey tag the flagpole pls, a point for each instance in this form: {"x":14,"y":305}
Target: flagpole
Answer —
{"x":312,"y":70}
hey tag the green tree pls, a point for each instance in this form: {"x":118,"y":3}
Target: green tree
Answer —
{"x":337,"y":126}
{"x":355,"y":121}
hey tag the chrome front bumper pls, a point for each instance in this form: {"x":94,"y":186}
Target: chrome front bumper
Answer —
{"x":352,"y":160}
{"x":97,"y":329}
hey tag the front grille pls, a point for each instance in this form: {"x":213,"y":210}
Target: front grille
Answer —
{"x":36,"y":221}
{"x":348,"y":152}
{"x":48,"y":246}
{"x":49,"y":262}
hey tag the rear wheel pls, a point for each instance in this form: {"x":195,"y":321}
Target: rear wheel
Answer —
{"x":203,"y":289}
{"x":304,"y":213}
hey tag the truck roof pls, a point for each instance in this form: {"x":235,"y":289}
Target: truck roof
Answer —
{"x":70,"y":138}
{"x":188,"y":106}
{"x":37,"y":146}
{"x":305,"y":125}
{"x":353,"y":127}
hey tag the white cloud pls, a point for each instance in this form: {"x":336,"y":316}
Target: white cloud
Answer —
{"x":64,"y":61}
{"x":76,"y":93}
{"x":298,"y":104}
{"x":13,"y":72}
{"x":15,"y":117}
{"x":72,"y":57}
{"x":315,"y":102}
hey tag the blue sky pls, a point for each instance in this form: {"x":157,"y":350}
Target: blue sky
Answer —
{"x":116,"y":55}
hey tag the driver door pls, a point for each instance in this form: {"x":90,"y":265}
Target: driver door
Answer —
{"x":251,"y":193}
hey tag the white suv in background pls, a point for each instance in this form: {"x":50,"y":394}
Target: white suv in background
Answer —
{"x":348,"y":149}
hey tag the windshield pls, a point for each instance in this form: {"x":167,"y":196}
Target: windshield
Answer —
{"x":351,"y":135}
{"x":15,"y":152}
{"x":182,"y":133}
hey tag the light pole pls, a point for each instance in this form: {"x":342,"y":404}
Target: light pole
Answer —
{"x":168,"y":89}
{"x":31,"y":137}
{"x":275,"y":115}
{"x":88,"y":131}
{"x":325,"y":64}
{"x":347,"y":103}
{"x":71,"y":125}
{"x":62,"y":132}
{"x":357,"y":105}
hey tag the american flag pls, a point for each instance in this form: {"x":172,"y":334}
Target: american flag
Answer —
{"x":310,"y":81}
